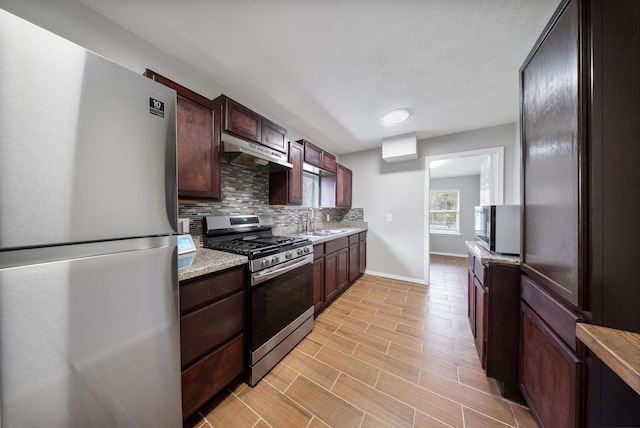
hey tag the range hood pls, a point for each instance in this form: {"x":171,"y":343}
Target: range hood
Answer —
{"x":239,"y":152}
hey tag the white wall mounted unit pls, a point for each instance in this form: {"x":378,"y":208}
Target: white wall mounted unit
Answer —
{"x":400,"y":148}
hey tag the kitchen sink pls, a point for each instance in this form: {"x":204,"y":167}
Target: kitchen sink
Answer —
{"x":323,"y":232}
{"x":318,"y":233}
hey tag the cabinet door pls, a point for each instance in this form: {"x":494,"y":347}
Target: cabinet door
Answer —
{"x":354,"y":267}
{"x":197,"y":143}
{"x":343,"y":187}
{"x":295,"y":175}
{"x":274,"y":136}
{"x":553,"y":158}
{"x":328,"y":162}
{"x":480,"y":300}
{"x":242,"y":121}
{"x":551,"y":374}
{"x":362,"y":257}
{"x":343,"y":268}
{"x":312,"y":154}
{"x":198,"y":161}
{"x":285,"y":187}
{"x":318,"y":284}
{"x":471,"y":302}
{"x":330,"y":276}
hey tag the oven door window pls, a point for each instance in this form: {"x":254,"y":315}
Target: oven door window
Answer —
{"x":278,"y":301}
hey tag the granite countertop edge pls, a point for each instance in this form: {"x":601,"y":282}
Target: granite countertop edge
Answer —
{"x":208,"y":261}
{"x":487,"y":257}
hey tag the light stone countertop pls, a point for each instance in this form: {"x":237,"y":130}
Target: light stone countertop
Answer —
{"x":208,"y":261}
{"x":347,"y":231}
{"x":487,"y":257}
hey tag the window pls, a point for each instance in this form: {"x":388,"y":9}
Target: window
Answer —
{"x":444,"y":211}
{"x":310,"y":190}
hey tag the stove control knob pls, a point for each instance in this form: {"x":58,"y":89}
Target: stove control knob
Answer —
{"x":306,"y":250}
{"x":265,"y":262}
{"x":288,"y":255}
{"x":275,"y":260}
{"x":299,"y":252}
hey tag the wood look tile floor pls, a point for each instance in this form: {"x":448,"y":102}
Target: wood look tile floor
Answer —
{"x":386,"y":353}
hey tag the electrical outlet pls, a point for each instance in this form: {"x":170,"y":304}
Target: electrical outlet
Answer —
{"x":389,"y":217}
{"x":328,"y":217}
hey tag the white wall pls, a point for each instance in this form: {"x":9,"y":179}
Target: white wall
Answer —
{"x":469,"y":187}
{"x":396,"y":249}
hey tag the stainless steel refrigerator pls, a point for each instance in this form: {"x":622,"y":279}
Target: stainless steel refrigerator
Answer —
{"x":89,"y":323}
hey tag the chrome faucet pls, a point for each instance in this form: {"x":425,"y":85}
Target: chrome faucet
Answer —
{"x":311,"y":219}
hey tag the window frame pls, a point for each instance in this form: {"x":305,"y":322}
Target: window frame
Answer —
{"x":436,"y":231}
{"x":314,"y":197}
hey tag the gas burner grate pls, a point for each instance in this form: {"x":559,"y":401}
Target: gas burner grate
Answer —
{"x":251,"y":245}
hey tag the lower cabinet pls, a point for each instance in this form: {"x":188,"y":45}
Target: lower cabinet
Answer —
{"x":362,"y":256}
{"x":354,"y":257}
{"x":318,"y":277}
{"x":343,"y":269}
{"x":493,"y":311}
{"x":211,"y":335}
{"x":552,"y":371}
{"x":337,"y":264}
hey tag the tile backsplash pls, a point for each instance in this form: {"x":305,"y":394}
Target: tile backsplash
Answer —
{"x":246,"y":191}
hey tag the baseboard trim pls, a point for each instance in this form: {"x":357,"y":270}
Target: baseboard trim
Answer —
{"x":437,"y":253}
{"x":397,"y":277}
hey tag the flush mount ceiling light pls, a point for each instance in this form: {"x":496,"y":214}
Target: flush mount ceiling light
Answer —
{"x":396,"y":116}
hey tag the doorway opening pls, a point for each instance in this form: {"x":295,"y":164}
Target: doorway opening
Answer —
{"x":487,"y":163}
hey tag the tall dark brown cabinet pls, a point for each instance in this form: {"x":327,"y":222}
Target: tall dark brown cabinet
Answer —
{"x":580,"y":125}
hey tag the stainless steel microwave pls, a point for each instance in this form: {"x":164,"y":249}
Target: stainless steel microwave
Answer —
{"x":497,"y":228}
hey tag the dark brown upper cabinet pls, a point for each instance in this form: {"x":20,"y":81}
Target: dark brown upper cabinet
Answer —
{"x":245,"y":123}
{"x":335,"y":190}
{"x":197,"y":144}
{"x":315,"y":156}
{"x":285,"y":187}
{"x":274,"y":136}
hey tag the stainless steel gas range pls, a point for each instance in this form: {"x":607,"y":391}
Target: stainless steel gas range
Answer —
{"x":279,"y":288}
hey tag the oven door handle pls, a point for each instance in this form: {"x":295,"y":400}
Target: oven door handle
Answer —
{"x":282,"y":268}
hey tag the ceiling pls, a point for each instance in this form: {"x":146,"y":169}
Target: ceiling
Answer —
{"x":328,"y":70}
{"x":456,"y":167}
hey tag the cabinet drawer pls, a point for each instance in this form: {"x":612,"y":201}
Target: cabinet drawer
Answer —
{"x":353,"y":239}
{"x":552,"y":375}
{"x":210,"y":375}
{"x":362,"y":236}
{"x":557,"y":316}
{"x":318,"y":251}
{"x":201,"y":291}
{"x":471,"y":262}
{"x":479,"y":270}
{"x":207,"y":328}
{"x":335,"y":245}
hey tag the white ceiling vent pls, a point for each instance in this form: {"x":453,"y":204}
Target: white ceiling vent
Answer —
{"x":400,"y":148}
